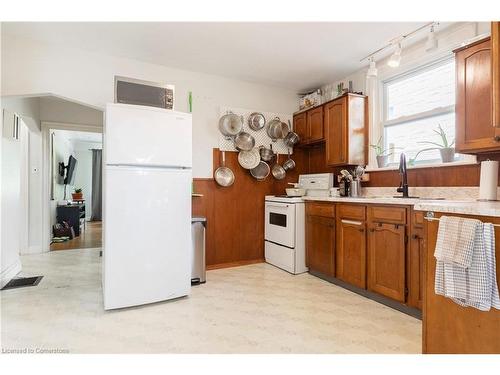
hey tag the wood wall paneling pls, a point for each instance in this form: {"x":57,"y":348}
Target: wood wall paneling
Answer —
{"x":235,"y":214}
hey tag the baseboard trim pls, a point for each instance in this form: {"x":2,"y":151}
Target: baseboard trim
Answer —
{"x":234,"y":264}
{"x":373,"y":296}
{"x":10,"y":272}
{"x":32,"y":250}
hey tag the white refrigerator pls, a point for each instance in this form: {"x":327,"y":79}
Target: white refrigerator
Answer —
{"x":147,"y":157}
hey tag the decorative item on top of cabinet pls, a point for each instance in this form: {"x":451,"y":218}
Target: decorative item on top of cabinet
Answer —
{"x":320,"y":237}
{"x":387,"y":239}
{"x":346,"y":130}
{"x":495,"y":71}
{"x":475,"y":132}
{"x":351,"y":244}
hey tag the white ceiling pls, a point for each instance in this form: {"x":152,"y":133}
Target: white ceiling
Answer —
{"x":299,"y":56}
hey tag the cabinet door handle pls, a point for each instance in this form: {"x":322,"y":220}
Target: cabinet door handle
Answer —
{"x":351,"y":222}
{"x":415,"y":237}
{"x":497,"y":138}
{"x":361,"y":230}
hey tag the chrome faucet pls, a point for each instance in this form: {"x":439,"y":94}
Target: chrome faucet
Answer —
{"x":403,"y":185}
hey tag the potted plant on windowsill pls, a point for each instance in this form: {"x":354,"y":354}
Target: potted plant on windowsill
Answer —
{"x":382,"y":154}
{"x":445,"y":148}
{"x":77,"y":195}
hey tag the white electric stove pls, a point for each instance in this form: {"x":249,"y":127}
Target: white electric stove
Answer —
{"x":284,"y":231}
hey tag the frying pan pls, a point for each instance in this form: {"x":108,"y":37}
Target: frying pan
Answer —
{"x":223,"y":175}
{"x":278,"y":171}
{"x":261,"y":171}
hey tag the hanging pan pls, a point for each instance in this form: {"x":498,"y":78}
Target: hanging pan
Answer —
{"x":223,"y":175}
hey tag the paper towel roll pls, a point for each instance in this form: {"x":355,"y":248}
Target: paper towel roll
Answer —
{"x":489,"y":180}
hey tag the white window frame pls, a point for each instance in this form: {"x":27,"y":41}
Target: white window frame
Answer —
{"x":384,"y":123}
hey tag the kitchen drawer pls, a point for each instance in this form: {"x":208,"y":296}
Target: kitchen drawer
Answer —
{"x":387,"y":214}
{"x":351,"y":211}
{"x":417,"y":219}
{"x":320,"y":209}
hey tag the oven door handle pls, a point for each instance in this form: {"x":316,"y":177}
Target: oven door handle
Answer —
{"x":275,"y":205}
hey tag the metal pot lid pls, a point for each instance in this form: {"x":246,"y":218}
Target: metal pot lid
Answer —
{"x":256,"y":121}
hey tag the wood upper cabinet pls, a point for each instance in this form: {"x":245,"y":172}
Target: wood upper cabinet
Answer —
{"x":495,"y":71}
{"x":315,"y":125}
{"x":415,"y":260}
{"x":300,"y":126}
{"x":351,"y":246}
{"x":320,"y":244}
{"x":475,"y":132}
{"x":386,"y":260}
{"x":309,"y":125}
{"x":346,"y":130}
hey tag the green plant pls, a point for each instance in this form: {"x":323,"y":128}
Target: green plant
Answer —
{"x":412,"y":160}
{"x":444,"y":139}
{"x":379,"y":149}
{"x":78,"y":190}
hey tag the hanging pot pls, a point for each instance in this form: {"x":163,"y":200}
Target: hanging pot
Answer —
{"x":256,"y":121}
{"x":266,"y":154}
{"x":244,"y":142}
{"x":289,"y":163}
{"x":276,"y":129}
{"x":230,"y":125}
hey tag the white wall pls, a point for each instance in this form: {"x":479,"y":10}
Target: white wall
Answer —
{"x":62,"y":111}
{"x":83,"y":176}
{"x":29,"y":110}
{"x":30,"y":67}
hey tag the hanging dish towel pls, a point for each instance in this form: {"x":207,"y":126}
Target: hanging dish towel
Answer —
{"x":465,"y":268}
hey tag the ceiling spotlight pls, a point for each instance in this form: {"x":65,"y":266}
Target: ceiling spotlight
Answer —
{"x":372,"y":70}
{"x":395,"y":59}
{"x":431,"y":43}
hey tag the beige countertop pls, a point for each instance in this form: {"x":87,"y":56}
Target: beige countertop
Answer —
{"x":465,"y":207}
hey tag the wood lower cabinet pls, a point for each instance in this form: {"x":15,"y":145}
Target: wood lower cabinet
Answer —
{"x":351,"y":249}
{"x":386,"y":260}
{"x":495,"y":71}
{"x":475,"y":132}
{"x":368,"y":246}
{"x":320,"y":244}
{"x":448,"y":327}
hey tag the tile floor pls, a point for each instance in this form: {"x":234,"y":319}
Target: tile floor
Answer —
{"x":251,"y":309}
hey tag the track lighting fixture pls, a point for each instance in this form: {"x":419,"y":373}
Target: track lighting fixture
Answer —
{"x":372,"y":70}
{"x":395,"y":59}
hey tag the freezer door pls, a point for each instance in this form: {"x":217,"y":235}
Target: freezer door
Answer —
{"x":139,"y":135}
{"x":147,"y":233}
